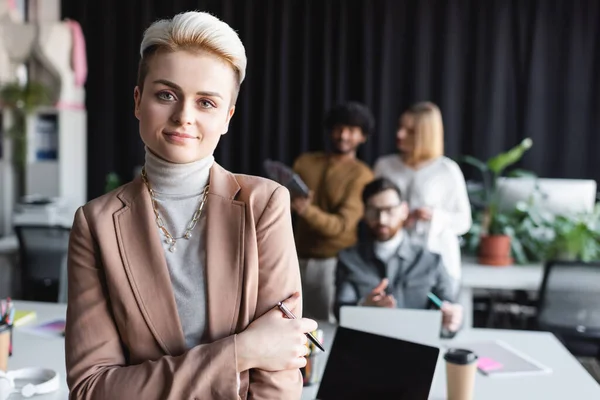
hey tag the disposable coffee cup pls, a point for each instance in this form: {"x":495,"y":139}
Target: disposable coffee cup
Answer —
{"x":461,"y":366}
{"x":4,"y":346}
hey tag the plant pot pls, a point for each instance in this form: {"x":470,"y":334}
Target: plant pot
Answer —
{"x":495,"y":250}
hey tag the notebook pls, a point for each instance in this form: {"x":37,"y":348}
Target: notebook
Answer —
{"x":363,"y":365}
{"x":498,"y":359}
{"x":23,"y":317}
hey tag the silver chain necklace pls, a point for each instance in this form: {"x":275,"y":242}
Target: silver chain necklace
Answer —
{"x":170,"y":239}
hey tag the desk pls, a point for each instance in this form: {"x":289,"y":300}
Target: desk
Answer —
{"x":9,"y":244}
{"x":569,"y":380}
{"x":35,"y":351}
{"x":512,"y":277}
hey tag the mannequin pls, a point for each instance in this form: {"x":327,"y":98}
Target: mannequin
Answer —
{"x":15,"y":47}
{"x":5,"y":67}
{"x":54,"y":50}
{"x":7,"y":15}
{"x":58,"y":48}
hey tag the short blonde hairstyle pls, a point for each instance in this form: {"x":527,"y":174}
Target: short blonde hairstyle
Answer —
{"x":193,"y":30}
{"x":428,"y":132}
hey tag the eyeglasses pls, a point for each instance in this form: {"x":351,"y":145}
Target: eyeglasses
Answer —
{"x":376,"y":212}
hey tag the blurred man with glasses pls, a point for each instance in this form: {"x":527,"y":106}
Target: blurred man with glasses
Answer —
{"x":388,"y":270}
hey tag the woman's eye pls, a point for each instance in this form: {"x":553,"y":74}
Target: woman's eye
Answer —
{"x":166,"y":96}
{"x":206,"y":104}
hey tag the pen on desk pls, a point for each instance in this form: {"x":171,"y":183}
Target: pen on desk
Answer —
{"x":436,"y":300}
{"x":289,"y":314}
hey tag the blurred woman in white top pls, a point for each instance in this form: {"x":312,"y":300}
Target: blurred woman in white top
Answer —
{"x":434,"y":185}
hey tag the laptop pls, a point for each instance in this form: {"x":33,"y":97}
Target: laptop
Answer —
{"x":419,"y":326}
{"x":363,"y":365}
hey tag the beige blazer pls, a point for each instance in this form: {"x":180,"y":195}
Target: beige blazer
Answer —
{"x":123,"y":336}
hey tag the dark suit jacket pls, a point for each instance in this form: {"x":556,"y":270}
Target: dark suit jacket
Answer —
{"x":412,"y":273}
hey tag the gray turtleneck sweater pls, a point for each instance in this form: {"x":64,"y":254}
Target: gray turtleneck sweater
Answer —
{"x":178,"y":189}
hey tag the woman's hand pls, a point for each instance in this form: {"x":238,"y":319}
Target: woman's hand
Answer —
{"x":273,"y":342}
{"x":423,"y":213}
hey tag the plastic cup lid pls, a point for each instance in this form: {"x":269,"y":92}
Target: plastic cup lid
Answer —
{"x":460,"y":356}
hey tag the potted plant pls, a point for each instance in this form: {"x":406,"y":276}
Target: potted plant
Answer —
{"x":20,"y":101}
{"x":531,"y":232}
{"x":496,"y":227}
{"x":576,"y":238}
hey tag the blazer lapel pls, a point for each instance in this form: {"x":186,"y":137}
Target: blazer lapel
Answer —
{"x":224,"y":253}
{"x":144,"y":261}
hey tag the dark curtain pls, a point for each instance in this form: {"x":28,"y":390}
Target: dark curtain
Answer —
{"x":500,"y":71}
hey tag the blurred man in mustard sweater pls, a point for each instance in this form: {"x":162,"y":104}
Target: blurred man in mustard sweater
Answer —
{"x":327,"y":219}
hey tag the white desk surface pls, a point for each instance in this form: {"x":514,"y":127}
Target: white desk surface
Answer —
{"x":569,"y":380}
{"x":9,"y":244}
{"x":35,"y":351}
{"x":511,"y":277}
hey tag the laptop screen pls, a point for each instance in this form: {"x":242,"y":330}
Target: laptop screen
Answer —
{"x":363,"y":365}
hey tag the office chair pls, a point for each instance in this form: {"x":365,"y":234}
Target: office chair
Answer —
{"x":43,"y":256}
{"x":568,"y":305}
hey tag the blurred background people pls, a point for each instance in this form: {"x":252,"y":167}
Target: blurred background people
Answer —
{"x":433,"y":185}
{"x":327,"y":219}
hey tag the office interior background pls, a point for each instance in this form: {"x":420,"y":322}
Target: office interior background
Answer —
{"x":501,"y":71}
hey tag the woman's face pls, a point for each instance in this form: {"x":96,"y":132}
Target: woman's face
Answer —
{"x":405,"y":136}
{"x":185,"y":105}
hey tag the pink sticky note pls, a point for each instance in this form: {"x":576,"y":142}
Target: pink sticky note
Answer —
{"x":487,"y":364}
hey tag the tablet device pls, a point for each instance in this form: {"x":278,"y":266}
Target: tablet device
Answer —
{"x":285,"y":176}
{"x":497,"y":359}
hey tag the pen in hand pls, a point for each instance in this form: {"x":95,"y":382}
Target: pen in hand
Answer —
{"x":290,"y":315}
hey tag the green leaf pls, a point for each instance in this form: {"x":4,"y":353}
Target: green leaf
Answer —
{"x":500,"y":162}
{"x":21,"y":100}
{"x":475,"y":162}
{"x":25,"y":97}
{"x":113,"y":181}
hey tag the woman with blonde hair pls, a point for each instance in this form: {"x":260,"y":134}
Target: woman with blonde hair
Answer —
{"x":174,"y":277}
{"x":433,"y":184}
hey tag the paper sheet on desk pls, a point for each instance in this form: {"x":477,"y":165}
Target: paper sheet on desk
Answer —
{"x":498,"y":359}
{"x":54,"y":328}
